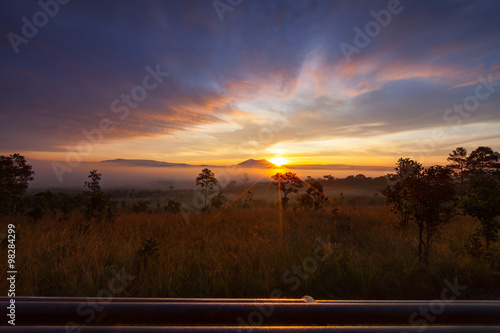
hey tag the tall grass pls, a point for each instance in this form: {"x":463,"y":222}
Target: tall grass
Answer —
{"x":246,"y":254}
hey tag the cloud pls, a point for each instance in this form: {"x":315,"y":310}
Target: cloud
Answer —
{"x":227,"y":79}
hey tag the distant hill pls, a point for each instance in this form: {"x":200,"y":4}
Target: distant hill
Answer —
{"x":150,"y":163}
{"x":251,"y":163}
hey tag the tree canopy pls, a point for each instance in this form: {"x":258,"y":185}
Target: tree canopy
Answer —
{"x":206,"y":180}
{"x":287,"y":183}
{"x":15,"y":174}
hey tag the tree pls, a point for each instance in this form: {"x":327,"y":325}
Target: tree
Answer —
{"x":305,"y":201}
{"x":482,"y":193}
{"x":400,"y":192}
{"x":94,"y":185}
{"x":206,"y":180}
{"x":423,"y":196}
{"x":141,"y":206}
{"x":247,"y":203}
{"x":483,"y":159}
{"x":245,"y":178}
{"x":99,"y":207}
{"x":41,"y":202}
{"x":482,"y":200}
{"x":287,"y":183}
{"x":328,"y":177}
{"x":432,"y":200}
{"x":173,"y":206}
{"x":315,"y":193}
{"x":218,"y":201}
{"x":460,"y":161}
{"x":15,"y":174}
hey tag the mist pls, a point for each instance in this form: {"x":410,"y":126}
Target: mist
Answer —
{"x":150,"y":177}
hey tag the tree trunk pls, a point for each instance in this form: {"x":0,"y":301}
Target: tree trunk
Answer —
{"x":404,"y":220}
{"x":420,"y":239}
{"x":205,"y":196}
{"x":428,"y":244}
{"x":461,"y":184}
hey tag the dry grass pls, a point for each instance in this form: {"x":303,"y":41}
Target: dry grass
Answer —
{"x":248,"y":254}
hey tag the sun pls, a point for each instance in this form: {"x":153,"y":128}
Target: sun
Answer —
{"x":278,"y":161}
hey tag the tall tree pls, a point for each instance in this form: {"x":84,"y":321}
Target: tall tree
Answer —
{"x":483,"y":159}
{"x":483,"y":201}
{"x":399,"y":194}
{"x":459,"y":160}
{"x":206,"y":180}
{"x":287,"y":183}
{"x":432,"y":198}
{"x":423,"y":196}
{"x":482,"y":193}
{"x":15,"y":173}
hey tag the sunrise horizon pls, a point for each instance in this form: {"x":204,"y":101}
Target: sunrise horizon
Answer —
{"x":330,"y":93}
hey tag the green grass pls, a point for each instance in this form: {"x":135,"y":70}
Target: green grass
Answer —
{"x":247,"y":254}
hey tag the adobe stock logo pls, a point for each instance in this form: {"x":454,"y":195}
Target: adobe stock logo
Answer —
{"x":372,"y":29}
{"x":222,"y":7}
{"x":29,"y":29}
{"x":120,"y":106}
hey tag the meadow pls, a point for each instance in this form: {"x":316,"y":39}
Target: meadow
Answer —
{"x":248,"y":253}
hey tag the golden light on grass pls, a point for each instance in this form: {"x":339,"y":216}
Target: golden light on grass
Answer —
{"x":278,"y":161}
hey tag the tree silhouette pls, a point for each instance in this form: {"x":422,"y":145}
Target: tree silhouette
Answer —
{"x":287,"y":183}
{"x":173,"y":207}
{"x":460,"y":161}
{"x":314,"y":196}
{"x":399,"y":193}
{"x":328,"y":177}
{"x":93,"y":185}
{"x":218,"y":201}
{"x":483,"y":201}
{"x":305,"y":201}
{"x":99,"y":207}
{"x":42,"y":201}
{"x":424,"y":196}
{"x":206,"y":180}
{"x":15,"y":174}
{"x":483,"y":159}
{"x":432,"y":198}
{"x":482,"y":193}
{"x":247,"y":201}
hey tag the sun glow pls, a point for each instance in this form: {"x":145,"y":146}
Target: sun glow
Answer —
{"x":278,"y":161}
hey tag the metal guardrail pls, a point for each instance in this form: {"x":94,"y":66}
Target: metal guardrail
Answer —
{"x":68,"y":314}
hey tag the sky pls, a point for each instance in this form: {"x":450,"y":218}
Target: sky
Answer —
{"x":217,"y":82}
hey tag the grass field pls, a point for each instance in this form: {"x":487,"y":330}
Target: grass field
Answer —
{"x":250,"y":253}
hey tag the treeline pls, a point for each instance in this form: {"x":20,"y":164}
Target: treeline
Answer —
{"x":359,"y":180}
{"x":469,"y":184}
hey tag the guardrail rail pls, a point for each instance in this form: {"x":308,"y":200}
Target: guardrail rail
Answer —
{"x":70,"y":314}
